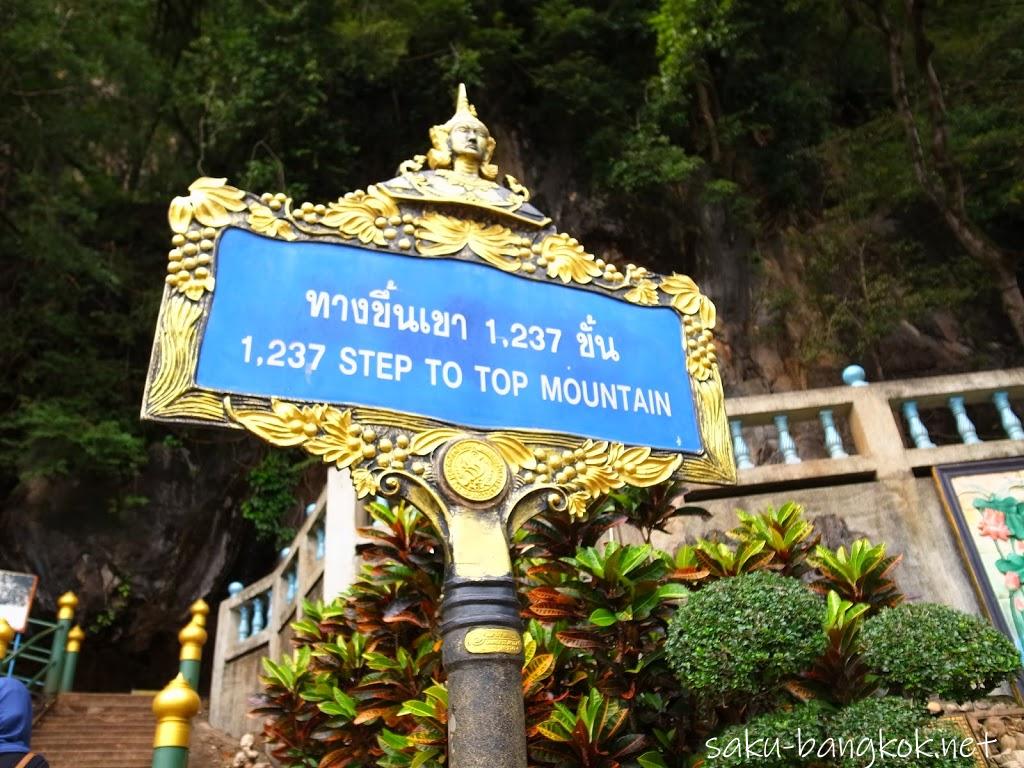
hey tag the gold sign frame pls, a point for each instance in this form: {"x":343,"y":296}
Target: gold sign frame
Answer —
{"x":435,"y":208}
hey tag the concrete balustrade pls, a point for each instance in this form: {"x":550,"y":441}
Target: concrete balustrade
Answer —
{"x":255,"y":619}
{"x":883,"y":422}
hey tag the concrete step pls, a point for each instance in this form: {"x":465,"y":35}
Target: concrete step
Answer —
{"x":97,"y":730}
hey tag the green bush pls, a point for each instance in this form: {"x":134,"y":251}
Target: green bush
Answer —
{"x":924,"y":649}
{"x":744,"y":635}
{"x":898,"y":724}
{"x":769,"y":740}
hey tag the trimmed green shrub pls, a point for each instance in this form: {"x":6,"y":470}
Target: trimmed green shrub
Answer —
{"x":744,"y":635}
{"x":888,"y":731}
{"x":926,"y":649}
{"x":772,"y":740}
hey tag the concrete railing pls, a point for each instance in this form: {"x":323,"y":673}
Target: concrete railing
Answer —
{"x":874,"y":430}
{"x":255,"y":620}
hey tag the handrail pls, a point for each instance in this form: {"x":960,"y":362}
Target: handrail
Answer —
{"x":42,"y":622}
{"x":20,"y":652}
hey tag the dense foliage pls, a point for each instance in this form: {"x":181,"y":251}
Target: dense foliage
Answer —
{"x":752,"y":143}
{"x":723,"y":644}
{"x":753,"y":650}
{"x":932,"y":649}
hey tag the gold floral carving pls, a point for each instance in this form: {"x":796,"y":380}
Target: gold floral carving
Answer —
{"x":716,"y":464}
{"x":209,"y":203}
{"x":263,"y":220}
{"x":587,"y":470}
{"x":644,"y":292}
{"x":688,"y":300}
{"x":170,"y":392}
{"x":363,"y":216}
{"x":565,"y":259}
{"x":440,"y":235}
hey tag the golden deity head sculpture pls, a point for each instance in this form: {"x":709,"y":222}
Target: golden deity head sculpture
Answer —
{"x":463,"y":144}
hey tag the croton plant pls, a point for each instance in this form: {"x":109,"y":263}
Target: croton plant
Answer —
{"x":633,"y":656}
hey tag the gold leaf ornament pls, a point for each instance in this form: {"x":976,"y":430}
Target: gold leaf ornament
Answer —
{"x":687,"y":299}
{"x":284,"y":424}
{"x":209,"y":203}
{"x":566,"y":260}
{"x":362,"y":215}
{"x":513,"y":451}
{"x":262,"y":219}
{"x":576,"y":505}
{"x":364,"y":482}
{"x":440,"y":235}
{"x":644,"y":292}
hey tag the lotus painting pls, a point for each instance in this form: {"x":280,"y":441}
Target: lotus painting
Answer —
{"x":985,"y":504}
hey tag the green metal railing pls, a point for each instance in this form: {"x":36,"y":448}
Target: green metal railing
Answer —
{"x":41,"y":666}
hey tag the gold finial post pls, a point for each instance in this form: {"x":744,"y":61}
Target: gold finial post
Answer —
{"x":199,"y":610}
{"x":192,"y":638}
{"x":75,"y":638}
{"x":6,"y":635}
{"x":174,"y":707}
{"x":66,"y":605}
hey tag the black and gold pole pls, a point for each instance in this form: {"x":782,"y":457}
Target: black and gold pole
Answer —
{"x":476,"y":512}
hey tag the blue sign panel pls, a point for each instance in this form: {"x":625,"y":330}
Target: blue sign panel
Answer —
{"x":450,"y":340}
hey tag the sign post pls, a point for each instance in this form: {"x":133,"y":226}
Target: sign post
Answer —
{"x":437,"y":335}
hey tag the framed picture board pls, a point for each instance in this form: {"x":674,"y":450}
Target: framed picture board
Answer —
{"x":17,"y":591}
{"x":984,"y":502}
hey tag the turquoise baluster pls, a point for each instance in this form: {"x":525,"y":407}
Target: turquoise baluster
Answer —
{"x":854,"y":376}
{"x":833,"y":440}
{"x":284,"y":552}
{"x":258,"y":619}
{"x":964,"y":425}
{"x":1011,"y":424}
{"x":739,"y":446}
{"x":321,"y":542}
{"x":293,"y":585}
{"x":243,"y":622}
{"x":916,"y":427}
{"x":310,"y":508}
{"x":786,"y":444}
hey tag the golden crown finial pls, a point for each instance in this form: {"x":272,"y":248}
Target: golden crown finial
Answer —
{"x":462,"y":101}
{"x":174,"y":707}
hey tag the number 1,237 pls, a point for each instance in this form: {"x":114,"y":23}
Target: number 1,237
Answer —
{"x":281,"y":353}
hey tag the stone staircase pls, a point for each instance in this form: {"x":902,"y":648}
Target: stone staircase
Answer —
{"x":97,"y":730}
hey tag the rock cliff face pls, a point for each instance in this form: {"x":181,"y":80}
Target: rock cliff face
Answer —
{"x":176,"y":536}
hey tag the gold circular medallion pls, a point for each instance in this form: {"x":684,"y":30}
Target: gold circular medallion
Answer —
{"x":474,"y":470}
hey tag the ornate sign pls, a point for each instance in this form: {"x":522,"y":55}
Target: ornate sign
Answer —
{"x":381,"y":330}
{"x":17,"y":591}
